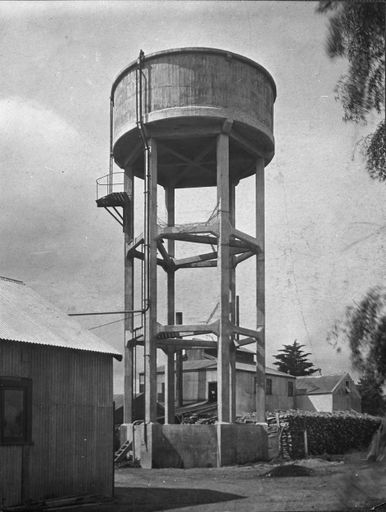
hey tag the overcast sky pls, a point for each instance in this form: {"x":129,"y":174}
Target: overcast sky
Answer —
{"x":324,"y":216}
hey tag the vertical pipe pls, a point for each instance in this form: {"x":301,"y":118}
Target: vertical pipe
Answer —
{"x":150,"y":278}
{"x":169,"y":367}
{"x":233,"y":316}
{"x":179,"y":369}
{"x":128,"y":228}
{"x":260,"y":292}
{"x":111,"y":155}
{"x":223,"y":357}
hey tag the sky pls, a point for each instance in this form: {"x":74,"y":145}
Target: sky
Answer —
{"x":325,"y":230}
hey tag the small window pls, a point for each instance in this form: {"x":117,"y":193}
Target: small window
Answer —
{"x":268,"y":386}
{"x":290,"y":388}
{"x":15,"y":410}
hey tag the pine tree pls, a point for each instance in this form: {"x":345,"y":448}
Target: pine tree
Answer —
{"x":292,"y":360}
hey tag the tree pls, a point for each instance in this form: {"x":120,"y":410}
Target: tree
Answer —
{"x":357,"y":32}
{"x":364,"y":328}
{"x":292,"y":360}
{"x":373,"y":401}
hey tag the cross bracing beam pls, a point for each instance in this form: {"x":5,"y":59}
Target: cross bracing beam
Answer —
{"x":196,"y":160}
{"x":195,"y":228}
{"x":245,"y":144}
{"x":134,"y":244}
{"x":140,"y":255}
{"x":183,"y":262}
{"x":242,"y":257}
{"x":201,"y":264}
{"x":165,"y":255}
{"x":187,"y":237}
{"x":180,"y":343}
{"x":248,"y":240}
{"x":248,"y":332}
{"x":172,"y":331}
{"x":245,"y":341}
{"x":182,"y":157}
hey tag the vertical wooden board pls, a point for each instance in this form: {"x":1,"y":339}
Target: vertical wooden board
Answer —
{"x":10,"y":475}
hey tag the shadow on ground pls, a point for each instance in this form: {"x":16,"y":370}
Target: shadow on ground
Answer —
{"x":135,"y":499}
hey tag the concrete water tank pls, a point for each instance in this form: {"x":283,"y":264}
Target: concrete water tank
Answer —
{"x":187,"y":96}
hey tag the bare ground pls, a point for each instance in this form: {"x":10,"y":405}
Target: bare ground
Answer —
{"x":347,"y":484}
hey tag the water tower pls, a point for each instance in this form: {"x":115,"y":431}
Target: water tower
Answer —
{"x":183,"y":118}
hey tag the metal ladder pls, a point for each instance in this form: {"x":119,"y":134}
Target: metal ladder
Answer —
{"x":122,"y":451}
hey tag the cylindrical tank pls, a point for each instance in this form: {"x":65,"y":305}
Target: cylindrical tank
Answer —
{"x":187,"y":96}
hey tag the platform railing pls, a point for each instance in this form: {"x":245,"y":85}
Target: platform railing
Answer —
{"x":109,"y":184}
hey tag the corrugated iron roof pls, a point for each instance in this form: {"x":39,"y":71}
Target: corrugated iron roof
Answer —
{"x":317,"y":385}
{"x":27,"y":317}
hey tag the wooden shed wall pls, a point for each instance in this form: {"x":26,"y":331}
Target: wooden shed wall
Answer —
{"x":279,"y":400}
{"x":72,"y":418}
{"x":344,"y":400}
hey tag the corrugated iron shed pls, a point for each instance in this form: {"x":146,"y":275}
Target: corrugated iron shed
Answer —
{"x":27,"y":317}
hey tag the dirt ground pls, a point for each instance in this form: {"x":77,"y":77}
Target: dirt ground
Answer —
{"x":347,"y":484}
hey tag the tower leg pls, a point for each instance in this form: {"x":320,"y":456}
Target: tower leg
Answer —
{"x":128,"y":228}
{"x":232,"y":347}
{"x":169,"y":367}
{"x":260,"y":292}
{"x":150,"y":276}
{"x":179,"y":369}
{"x":223,"y":263}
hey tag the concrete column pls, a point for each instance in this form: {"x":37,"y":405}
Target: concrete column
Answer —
{"x":223,"y":267}
{"x":128,"y":229}
{"x":260,"y":292}
{"x":169,"y":367}
{"x":150,"y":275}
{"x":179,"y":370}
{"x":232,"y":361}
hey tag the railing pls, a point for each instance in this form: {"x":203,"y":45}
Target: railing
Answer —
{"x":109,"y":184}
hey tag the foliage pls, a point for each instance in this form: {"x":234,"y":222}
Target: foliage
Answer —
{"x":364,"y":327}
{"x":332,"y":433}
{"x":374,"y":149}
{"x":292,"y":360}
{"x":357,"y":32}
{"x":373,"y":401}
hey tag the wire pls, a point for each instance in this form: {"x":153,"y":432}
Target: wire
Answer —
{"x":109,"y":323}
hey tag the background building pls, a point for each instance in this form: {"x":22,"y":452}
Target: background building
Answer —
{"x":200,"y":382}
{"x":327,"y":393}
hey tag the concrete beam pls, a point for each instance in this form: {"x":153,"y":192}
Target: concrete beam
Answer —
{"x":169,"y":367}
{"x":223,"y":352}
{"x":150,"y":316}
{"x":128,"y":228}
{"x":260,"y":291}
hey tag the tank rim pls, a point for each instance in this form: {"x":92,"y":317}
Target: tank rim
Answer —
{"x":192,"y":49}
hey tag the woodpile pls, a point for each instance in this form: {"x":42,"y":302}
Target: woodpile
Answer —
{"x":310,"y":433}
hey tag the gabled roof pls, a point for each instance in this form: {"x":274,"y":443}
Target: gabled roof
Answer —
{"x":318,"y":385}
{"x":26,"y":317}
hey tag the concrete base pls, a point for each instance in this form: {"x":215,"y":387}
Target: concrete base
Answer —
{"x":195,"y":446}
